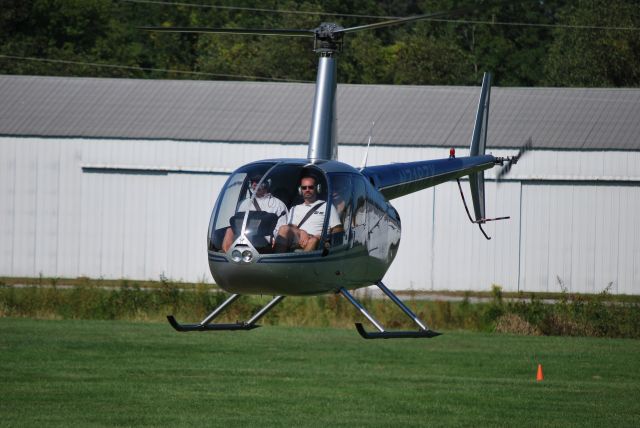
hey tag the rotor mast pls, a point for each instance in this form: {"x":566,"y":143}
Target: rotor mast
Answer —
{"x":323,"y":135}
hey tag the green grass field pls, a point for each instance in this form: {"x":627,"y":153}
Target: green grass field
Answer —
{"x":113,"y":373}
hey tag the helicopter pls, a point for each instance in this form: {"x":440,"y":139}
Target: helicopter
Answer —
{"x":357,"y":230}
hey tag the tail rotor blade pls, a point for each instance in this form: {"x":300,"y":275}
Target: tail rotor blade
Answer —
{"x":504,"y":171}
{"x":526,"y":147}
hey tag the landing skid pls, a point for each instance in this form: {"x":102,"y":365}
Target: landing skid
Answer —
{"x":207,"y":325}
{"x":396,"y":334}
{"x":422,"y":332}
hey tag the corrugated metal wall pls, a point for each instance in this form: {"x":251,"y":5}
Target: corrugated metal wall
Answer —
{"x":140,"y":209}
{"x":580,"y":236}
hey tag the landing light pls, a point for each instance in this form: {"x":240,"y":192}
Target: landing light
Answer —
{"x":247,"y":255}
{"x":236,"y":256}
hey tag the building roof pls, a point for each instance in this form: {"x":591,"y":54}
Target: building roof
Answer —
{"x":438,"y":116}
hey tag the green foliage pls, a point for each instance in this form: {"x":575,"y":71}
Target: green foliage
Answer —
{"x":420,"y":59}
{"x":567,"y":315}
{"x":101,"y":38}
{"x":576,"y":315}
{"x":596,"y":57}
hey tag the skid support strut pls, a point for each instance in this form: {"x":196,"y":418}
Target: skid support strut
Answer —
{"x":423,"y":331}
{"x":206,"y":325}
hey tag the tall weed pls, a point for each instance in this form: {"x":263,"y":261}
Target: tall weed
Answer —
{"x":568,"y":314}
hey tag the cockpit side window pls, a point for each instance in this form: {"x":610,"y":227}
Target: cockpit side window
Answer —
{"x":359,"y":218}
{"x":233,"y":202}
{"x":225,"y":209}
{"x":341,"y":200}
{"x":230,"y":199}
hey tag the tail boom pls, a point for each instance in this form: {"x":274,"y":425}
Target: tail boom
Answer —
{"x":399,"y":179}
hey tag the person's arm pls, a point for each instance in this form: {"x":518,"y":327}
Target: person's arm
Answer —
{"x":337,"y":229}
{"x":283,"y":217}
{"x":303,"y":238}
{"x":335,"y":226}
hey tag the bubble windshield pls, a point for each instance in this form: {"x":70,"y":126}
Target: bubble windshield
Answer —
{"x":276,"y":207}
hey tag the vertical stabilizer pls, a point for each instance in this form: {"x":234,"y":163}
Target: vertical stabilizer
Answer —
{"x":478,"y":146}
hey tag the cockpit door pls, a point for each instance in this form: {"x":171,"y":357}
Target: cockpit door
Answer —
{"x":340,"y":196}
{"x":349,"y":198}
{"x":359,"y":235}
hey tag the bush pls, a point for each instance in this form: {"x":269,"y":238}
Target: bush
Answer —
{"x":572,"y":315}
{"x":514,"y":324}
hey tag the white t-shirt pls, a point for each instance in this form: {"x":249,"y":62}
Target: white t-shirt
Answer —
{"x":268,"y":204}
{"x":313,"y":225}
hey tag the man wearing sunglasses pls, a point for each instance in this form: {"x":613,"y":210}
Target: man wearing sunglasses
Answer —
{"x":305,"y":221}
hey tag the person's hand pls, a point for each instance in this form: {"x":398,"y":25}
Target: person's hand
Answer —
{"x":303,"y":239}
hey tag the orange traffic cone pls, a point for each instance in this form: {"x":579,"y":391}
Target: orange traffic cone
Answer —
{"x":539,"y":376}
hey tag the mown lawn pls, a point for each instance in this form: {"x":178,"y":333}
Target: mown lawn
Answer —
{"x":114,"y":373}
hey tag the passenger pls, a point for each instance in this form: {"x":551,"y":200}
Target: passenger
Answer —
{"x":338,"y":202}
{"x":305,"y":221}
{"x":340,"y":199}
{"x":263,"y":201}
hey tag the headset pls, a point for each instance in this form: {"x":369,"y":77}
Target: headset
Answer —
{"x":265,"y":183}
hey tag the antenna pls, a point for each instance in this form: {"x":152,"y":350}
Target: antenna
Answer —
{"x":366,"y":152}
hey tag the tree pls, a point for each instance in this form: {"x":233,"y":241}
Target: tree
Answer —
{"x":427,"y":60}
{"x":596,"y":57}
{"x":60,"y":35}
{"x":264,"y":56}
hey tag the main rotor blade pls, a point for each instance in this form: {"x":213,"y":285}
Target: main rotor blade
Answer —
{"x":253,"y":31}
{"x":398,"y":21}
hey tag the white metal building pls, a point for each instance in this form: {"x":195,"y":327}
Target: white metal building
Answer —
{"x":116,"y":178}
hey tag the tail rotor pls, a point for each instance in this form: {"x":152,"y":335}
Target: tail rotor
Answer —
{"x":509,"y":161}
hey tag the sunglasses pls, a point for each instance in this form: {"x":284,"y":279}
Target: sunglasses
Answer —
{"x":307,"y":187}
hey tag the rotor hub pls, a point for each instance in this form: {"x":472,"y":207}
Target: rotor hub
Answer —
{"x":328,"y":38}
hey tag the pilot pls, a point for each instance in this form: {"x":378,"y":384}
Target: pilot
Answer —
{"x":264,"y":201}
{"x":305,"y":221}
